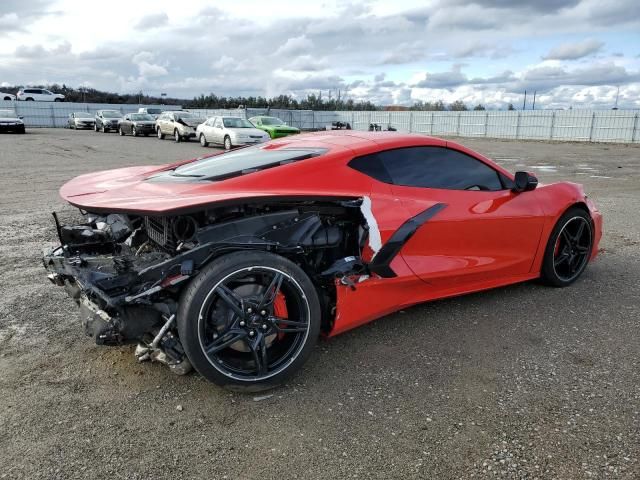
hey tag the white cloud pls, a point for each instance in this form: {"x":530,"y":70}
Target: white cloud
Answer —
{"x":574,"y":51}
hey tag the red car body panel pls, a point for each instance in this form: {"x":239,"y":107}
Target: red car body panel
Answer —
{"x":481,"y":240}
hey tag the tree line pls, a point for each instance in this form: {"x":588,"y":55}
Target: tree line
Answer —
{"x":311,"y":102}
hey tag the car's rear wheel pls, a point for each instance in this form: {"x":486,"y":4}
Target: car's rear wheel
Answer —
{"x":176,"y":136}
{"x":249,"y":320}
{"x":203,"y":140}
{"x":159,"y":134}
{"x":568,"y":249}
{"x":227,"y":143}
{"x":29,"y":99}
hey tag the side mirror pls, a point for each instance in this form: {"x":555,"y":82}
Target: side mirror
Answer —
{"x":524,"y":182}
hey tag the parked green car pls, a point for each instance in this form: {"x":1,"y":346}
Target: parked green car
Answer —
{"x":273,"y":126}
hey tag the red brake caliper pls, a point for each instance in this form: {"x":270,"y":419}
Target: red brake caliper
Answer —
{"x":280,"y":309}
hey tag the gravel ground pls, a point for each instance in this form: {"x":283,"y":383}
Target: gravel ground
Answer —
{"x":518,"y":382}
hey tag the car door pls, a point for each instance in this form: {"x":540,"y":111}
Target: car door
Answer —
{"x":207,"y":129}
{"x":218,"y":130}
{"x":471,"y":228}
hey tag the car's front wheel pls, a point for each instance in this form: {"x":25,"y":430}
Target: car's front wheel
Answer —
{"x":568,"y":249}
{"x":95,"y":127}
{"x":176,"y":136}
{"x":121,"y":132}
{"x":160,"y":134}
{"x":227,"y":143}
{"x":203,"y":140}
{"x":249,"y":320}
{"x":134,"y":132}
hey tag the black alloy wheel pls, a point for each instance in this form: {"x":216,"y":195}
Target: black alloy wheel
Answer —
{"x":249,"y":321}
{"x":569,"y":248}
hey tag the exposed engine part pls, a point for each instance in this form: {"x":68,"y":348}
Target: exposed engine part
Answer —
{"x":126,"y":272}
{"x":165,"y":348}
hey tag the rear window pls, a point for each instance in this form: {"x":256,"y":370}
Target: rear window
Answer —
{"x":244,"y":161}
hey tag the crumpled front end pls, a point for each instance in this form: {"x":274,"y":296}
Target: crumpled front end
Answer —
{"x":116,"y":277}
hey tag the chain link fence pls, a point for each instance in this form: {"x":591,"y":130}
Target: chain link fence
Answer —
{"x":620,"y":126}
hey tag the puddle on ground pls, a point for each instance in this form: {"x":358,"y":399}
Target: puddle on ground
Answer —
{"x":545,"y":168}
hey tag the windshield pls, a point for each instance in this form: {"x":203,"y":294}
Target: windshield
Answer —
{"x":111,"y":114}
{"x":154,"y":111}
{"x":236,"y":123}
{"x":7,"y":114}
{"x":82,"y":115}
{"x":244,"y":161}
{"x":272,"y":121}
{"x":141,"y":117}
{"x":185,"y":115}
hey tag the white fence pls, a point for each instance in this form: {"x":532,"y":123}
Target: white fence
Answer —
{"x":621,"y":126}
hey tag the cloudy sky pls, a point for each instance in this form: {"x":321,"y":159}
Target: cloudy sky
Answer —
{"x":573,"y":52}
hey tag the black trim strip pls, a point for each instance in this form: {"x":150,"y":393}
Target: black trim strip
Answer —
{"x":382,"y":260}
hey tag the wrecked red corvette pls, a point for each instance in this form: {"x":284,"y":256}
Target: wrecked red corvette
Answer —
{"x":235,"y":263}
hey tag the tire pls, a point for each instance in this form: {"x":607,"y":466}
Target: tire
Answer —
{"x":569,"y":248}
{"x":58,"y":100}
{"x":227,"y":143}
{"x":103,"y":129}
{"x":203,"y":140}
{"x":176,"y":136}
{"x":159,"y":134}
{"x":120,"y":131}
{"x":95,"y":127}
{"x":7,"y":99}
{"x":237,"y":362}
{"x":134,"y":132}
{"x":29,"y":99}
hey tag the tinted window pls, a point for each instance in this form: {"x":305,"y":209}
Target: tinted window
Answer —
{"x":431,"y":167}
{"x":243,"y":161}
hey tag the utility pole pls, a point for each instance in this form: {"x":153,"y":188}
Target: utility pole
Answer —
{"x":534,"y":100}
{"x":617,"y":94}
{"x":524,"y":104}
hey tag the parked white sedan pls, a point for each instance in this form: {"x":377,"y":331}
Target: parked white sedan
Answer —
{"x":7,"y":97}
{"x":230,"y":132}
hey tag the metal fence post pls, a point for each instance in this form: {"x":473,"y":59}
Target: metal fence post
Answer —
{"x":458,"y":124}
{"x":410,"y":121}
{"x":53,"y":115}
{"x":553,"y":121}
{"x":634,"y":138}
{"x":431,"y":124}
{"x":593,"y":119}
{"x":518,"y":125}
{"x":486,"y":123}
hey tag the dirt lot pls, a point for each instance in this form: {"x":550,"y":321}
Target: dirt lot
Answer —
{"x":519,"y":382}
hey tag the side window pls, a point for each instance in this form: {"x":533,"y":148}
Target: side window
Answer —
{"x":218,"y":122}
{"x":431,"y":167}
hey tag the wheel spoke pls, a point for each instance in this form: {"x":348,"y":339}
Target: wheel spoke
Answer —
{"x":290,"y":325}
{"x":231,"y":299}
{"x":567,"y":238}
{"x":258,"y":349}
{"x":579,"y":233}
{"x":228,"y":338}
{"x":271,"y":291}
{"x":561,"y":259}
{"x":582,"y":249}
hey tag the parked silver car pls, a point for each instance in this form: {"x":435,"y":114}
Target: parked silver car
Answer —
{"x":230,"y":132}
{"x":181,"y":125}
{"x":79,"y":120}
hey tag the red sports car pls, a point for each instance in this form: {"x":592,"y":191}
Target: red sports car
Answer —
{"x":235,"y":263}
